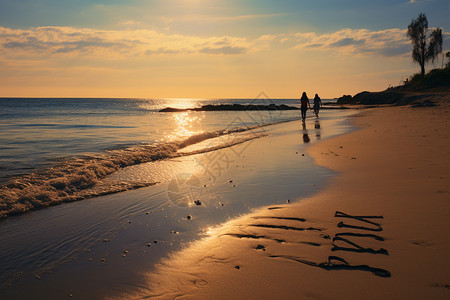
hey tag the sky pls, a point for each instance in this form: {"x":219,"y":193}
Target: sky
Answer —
{"x":208,"y":48}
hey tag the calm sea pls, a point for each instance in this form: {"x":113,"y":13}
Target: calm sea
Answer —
{"x":37,"y":132}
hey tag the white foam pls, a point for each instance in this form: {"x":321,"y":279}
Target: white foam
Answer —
{"x":80,"y":177}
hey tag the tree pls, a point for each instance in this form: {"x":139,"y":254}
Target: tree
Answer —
{"x":425,"y":47}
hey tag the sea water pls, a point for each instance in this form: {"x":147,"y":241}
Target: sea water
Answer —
{"x":37,"y":132}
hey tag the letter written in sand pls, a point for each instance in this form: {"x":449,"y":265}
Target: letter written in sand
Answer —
{"x":362,"y":223}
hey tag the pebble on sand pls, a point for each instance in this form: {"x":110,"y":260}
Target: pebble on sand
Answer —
{"x":197,"y":202}
{"x":261,"y":247}
{"x":189,"y":217}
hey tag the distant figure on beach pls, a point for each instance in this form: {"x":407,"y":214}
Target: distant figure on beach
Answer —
{"x":304,"y":105}
{"x":317,"y":105}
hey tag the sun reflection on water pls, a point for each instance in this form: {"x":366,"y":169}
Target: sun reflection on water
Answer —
{"x":186,"y":124}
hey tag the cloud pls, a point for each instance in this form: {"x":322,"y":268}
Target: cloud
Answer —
{"x":50,"y":41}
{"x":226,"y":50}
{"x":389,"y":42}
{"x":347,"y":42}
{"x":123,"y":44}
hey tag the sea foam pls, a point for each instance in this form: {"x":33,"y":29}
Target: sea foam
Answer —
{"x":80,"y":177}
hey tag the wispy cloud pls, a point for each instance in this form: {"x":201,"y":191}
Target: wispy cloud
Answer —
{"x":47,"y":41}
{"x":70,"y":41}
{"x":390,"y":42}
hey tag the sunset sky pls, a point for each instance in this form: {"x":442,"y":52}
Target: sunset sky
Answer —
{"x":208,"y":48}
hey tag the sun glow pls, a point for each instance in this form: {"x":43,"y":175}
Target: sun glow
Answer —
{"x":186,"y":125}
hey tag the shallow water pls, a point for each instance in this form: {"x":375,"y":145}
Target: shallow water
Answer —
{"x":37,"y":132}
{"x":58,"y":251}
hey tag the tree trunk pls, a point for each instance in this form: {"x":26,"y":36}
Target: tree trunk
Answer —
{"x":422,"y":69}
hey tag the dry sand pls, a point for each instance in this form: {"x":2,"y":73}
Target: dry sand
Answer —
{"x":396,"y":166}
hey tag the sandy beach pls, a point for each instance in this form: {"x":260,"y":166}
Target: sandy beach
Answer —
{"x":378,"y":231}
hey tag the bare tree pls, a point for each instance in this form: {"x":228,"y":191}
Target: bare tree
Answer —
{"x":425,"y":47}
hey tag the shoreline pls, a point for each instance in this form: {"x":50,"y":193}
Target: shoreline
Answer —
{"x":393,"y":167}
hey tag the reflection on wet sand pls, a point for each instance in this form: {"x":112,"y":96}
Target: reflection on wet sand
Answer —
{"x":306,"y":138}
{"x":317,"y":127}
{"x":317,"y":130}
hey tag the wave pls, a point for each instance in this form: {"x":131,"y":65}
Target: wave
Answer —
{"x":80,"y":177}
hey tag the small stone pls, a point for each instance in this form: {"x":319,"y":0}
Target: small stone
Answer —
{"x":37,"y":276}
{"x":303,"y":154}
{"x":230,"y":181}
{"x":155,"y":241}
{"x":70,"y":295}
{"x":189,"y":217}
{"x":103,"y":260}
{"x":237,"y":267}
{"x":90,"y":259}
{"x":129,"y":222}
{"x":288,"y":201}
{"x":149,"y":244}
{"x":125,"y":251}
{"x":261,"y":247}
{"x":106,"y":240}
{"x":197,"y":202}
{"x":147,"y":213}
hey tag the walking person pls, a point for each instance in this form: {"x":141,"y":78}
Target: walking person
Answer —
{"x":304,"y":105}
{"x":317,"y":105}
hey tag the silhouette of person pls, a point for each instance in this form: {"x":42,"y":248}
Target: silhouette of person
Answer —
{"x":304,"y":105}
{"x":317,"y":105}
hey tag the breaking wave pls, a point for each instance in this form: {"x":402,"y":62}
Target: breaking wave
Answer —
{"x":80,"y":177}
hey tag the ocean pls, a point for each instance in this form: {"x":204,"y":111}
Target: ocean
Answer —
{"x":39,"y":132}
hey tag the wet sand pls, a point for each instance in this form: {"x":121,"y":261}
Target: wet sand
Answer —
{"x":379,"y":230}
